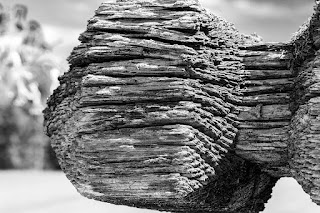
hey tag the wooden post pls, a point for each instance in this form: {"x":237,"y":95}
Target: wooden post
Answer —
{"x":169,"y":107}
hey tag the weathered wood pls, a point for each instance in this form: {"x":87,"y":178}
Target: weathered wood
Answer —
{"x":168,"y":107}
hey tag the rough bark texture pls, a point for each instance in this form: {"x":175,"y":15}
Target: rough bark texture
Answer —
{"x":169,"y":107}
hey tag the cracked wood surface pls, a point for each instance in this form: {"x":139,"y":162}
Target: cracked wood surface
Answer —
{"x":169,"y":107}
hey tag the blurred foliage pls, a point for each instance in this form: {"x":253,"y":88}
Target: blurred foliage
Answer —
{"x":28,"y":74}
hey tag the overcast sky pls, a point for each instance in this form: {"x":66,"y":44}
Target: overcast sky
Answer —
{"x":274,"y":20}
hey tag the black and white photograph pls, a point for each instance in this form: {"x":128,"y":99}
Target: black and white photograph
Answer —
{"x":149,"y":106}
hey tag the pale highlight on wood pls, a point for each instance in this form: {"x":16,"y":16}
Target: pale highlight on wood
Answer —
{"x":167,"y":106}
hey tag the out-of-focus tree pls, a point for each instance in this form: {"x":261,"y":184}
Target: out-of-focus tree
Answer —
{"x":28,"y":74}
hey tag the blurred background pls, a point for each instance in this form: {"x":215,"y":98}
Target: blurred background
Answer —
{"x":36,"y":37}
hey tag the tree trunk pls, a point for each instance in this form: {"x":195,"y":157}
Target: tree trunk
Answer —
{"x":169,"y":107}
